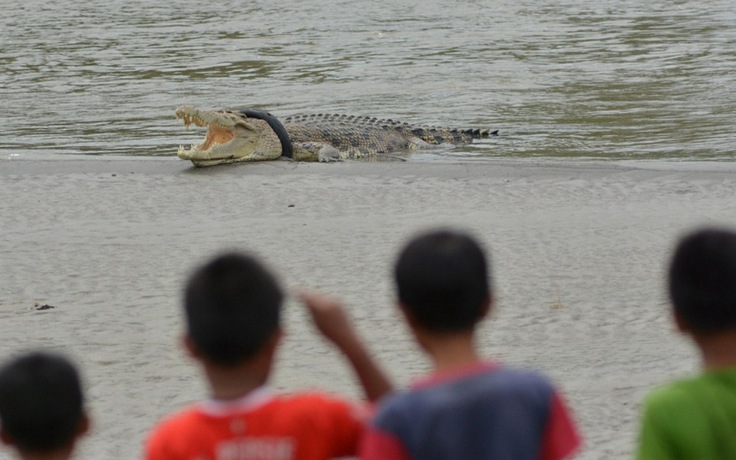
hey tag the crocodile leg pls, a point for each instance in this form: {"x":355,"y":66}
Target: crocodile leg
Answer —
{"x":316,"y":151}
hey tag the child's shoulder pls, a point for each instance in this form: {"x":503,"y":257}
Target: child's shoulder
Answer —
{"x":310,"y":400}
{"x":494,"y":383}
{"x":319,"y":408}
{"x":178,"y":423}
{"x":315,"y":406}
{"x":491,"y":376}
{"x":693,"y":416}
{"x":715,"y":385}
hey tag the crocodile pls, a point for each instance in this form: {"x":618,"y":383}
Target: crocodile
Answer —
{"x":238,"y":135}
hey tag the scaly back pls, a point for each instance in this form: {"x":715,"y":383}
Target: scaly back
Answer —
{"x":339,"y":129}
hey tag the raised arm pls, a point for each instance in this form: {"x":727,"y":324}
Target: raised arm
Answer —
{"x":333,"y":323}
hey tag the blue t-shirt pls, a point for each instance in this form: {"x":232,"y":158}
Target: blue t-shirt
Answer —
{"x":482,"y":412}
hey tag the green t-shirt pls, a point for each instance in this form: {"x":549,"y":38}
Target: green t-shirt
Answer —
{"x":691,"y":419}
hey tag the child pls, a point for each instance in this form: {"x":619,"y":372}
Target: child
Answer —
{"x":696,"y":417}
{"x":232,"y":307}
{"x":41,"y":406}
{"x":468,"y":407}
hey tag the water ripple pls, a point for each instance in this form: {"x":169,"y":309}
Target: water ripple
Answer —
{"x":579,"y":79}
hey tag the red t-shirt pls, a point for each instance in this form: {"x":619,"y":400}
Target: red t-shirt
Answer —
{"x":261,"y":426}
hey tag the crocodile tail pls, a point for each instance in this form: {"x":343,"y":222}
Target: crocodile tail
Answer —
{"x":451,"y":136}
{"x":478,"y":133}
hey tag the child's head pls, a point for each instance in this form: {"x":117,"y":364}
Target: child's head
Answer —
{"x":41,"y":404}
{"x":442,"y":280}
{"x":233,"y":307}
{"x":702,"y":281}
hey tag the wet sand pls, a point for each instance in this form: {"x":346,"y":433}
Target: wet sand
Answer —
{"x":578,"y":254}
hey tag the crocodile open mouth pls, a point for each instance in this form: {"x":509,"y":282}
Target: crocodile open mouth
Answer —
{"x":220,"y":129}
{"x":216,"y":135}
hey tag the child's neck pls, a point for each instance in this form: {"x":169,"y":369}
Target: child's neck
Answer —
{"x":61,"y":454}
{"x":451,"y":351}
{"x":233,"y":383}
{"x":717,"y":350}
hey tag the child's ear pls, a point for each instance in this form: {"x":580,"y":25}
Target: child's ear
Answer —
{"x":5,"y":438}
{"x":266,"y":356}
{"x":276,"y":339}
{"x":682,"y":325}
{"x":84,"y":425}
{"x":485,"y":309}
{"x":189,"y":346}
{"x":408,"y":316}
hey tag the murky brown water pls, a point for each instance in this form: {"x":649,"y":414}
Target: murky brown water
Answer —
{"x":560,"y":78}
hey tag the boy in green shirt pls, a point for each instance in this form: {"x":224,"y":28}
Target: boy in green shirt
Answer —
{"x":696,"y":418}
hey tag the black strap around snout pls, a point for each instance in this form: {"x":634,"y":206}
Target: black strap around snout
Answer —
{"x":277,"y":127}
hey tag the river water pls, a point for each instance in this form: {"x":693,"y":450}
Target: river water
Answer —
{"x":591,"y":79}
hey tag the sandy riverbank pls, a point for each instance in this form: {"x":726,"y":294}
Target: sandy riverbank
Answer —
{"x":578,"y":251}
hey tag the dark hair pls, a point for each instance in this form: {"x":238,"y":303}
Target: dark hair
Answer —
{"x":702,"y":280}
{"x":442,"y":279}
{"x":40,"y":402}
{"x":232,"y":306}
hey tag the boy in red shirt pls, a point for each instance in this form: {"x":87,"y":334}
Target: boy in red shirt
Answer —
{"x":232,"y":307}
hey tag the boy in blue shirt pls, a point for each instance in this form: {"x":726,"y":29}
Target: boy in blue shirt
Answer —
{"x":469,"y":407}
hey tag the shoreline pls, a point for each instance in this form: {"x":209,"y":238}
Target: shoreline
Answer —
{"x":43,"y":164}
{"x":577,"y":250}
